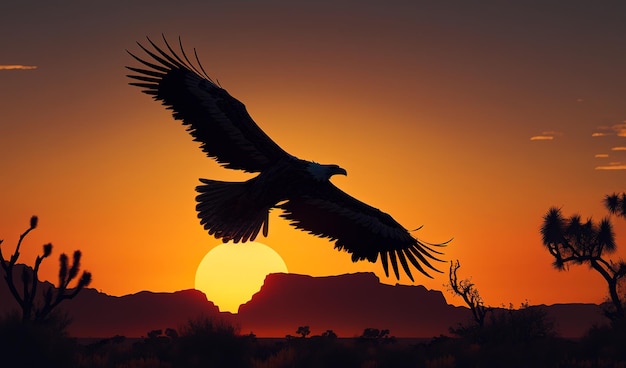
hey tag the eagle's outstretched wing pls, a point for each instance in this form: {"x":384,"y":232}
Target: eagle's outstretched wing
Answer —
{"x":212,"y":116}
{"x":362,"y":230}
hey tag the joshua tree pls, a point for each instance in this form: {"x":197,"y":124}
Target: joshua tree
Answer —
{"x":467,"y":290}
{"x":572,"y":241}
{"x":52,"y":297}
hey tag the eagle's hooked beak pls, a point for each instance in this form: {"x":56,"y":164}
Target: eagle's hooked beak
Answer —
{"x":339,"y":171}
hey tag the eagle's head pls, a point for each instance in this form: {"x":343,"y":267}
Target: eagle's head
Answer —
{"x":323,"y":172}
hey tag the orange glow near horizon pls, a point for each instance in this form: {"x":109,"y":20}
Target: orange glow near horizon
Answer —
{"x":468,"y":123}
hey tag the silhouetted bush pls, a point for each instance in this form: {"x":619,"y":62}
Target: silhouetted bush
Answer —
{"x":303,"y":331}
{"x":211,"y":342}
{"x":605,"y":342}
{"x":35,"y":344}
{"x":376,"y":336}
{"x":510,"y":326}
{"x":511,"y":338}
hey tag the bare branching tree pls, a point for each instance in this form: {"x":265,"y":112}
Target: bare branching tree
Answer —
{"x":573,"y":241}
{"x":52,"y":297}
{"x":467,"y":290}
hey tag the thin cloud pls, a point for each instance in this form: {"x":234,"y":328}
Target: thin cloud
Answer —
{"x":541,"y":138}
{"x":546,"y":136}
{"x":552,"y":133}
{"x":612,"y":166}
{"x":18,"y":67}
{"x":615,"y":129}
{"x":601,"y":155}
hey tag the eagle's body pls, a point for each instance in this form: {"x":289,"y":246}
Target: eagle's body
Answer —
{"x":238,"y":211}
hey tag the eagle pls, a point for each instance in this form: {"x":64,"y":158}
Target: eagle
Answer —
{"x":300,"y":189}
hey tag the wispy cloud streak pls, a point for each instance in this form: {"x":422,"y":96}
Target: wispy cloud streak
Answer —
{"x":546,"y":136}
{"x":17,"y":67}
{"x":612,"y":166}
{"x":615,"y":129}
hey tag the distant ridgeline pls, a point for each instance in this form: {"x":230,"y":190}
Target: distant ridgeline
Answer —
{"x":346,"y":304}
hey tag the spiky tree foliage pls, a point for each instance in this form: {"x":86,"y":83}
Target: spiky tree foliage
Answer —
{"x":616,"y":204}
{"x":53,"y":296}
{"x":573,"y":241}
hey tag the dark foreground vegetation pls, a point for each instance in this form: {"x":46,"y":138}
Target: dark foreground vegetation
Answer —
{"x":513,"y":338}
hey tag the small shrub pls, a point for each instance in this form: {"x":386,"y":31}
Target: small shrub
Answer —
{"x":211,"y":342}
{"x":32,"y":344}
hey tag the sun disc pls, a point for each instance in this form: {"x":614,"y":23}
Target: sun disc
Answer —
{"x":230,"y":274}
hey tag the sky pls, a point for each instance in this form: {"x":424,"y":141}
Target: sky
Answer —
{"x":469,"y":118}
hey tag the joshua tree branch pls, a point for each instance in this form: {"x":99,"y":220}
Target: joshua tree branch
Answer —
{"x":26,"y":300}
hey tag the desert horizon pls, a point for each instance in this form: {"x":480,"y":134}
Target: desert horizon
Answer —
{"x":276,"y":309}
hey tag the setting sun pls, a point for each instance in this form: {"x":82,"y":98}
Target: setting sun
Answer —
{"x":230,"y":273}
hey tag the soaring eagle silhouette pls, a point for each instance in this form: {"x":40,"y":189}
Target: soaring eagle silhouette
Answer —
{"x":302,"y":189}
